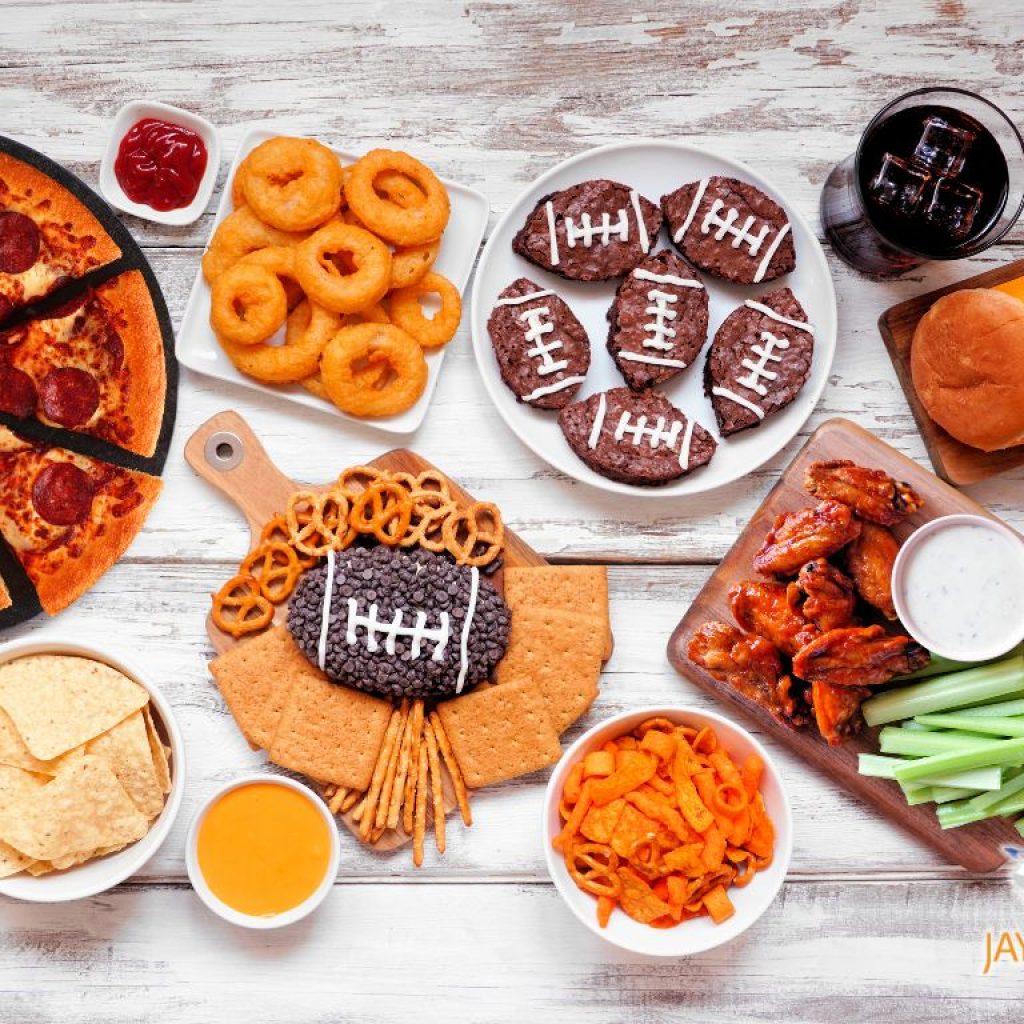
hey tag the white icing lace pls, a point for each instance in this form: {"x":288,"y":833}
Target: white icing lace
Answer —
{"x":391,"y":631}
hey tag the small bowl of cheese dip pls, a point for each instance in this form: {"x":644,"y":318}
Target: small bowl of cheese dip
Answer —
{"x":263,"y":852}
{"x":958,"y":587}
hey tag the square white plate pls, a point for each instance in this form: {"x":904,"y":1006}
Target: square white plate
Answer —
{"x":197,"y":346}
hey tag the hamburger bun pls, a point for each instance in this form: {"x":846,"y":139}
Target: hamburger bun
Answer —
{"x":967,"y":364}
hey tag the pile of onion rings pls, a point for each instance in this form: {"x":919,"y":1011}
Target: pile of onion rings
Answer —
{"x":316,"y":250}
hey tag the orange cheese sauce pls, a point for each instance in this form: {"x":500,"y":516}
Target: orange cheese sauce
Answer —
{"x":263,"y":849}
{"x":1014,"y":288}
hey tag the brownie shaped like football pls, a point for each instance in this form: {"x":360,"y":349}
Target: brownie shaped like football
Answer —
{"x":593,"y":231}
{"x":658,"y":321}
{"x":635,"y":438}
{"x":730,"y":229}
{"x":399,"y":623}
{"x":759,"y":360}
{"x":543,"y":351}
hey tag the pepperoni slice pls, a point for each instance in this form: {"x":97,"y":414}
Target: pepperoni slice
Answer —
{"x":19,"y":242}
{"x":62,"y":494}
{"x":17,"y":391}
{"x":69,"y":396}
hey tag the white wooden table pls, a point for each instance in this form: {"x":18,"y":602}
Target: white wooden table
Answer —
{"x":870,"y":926}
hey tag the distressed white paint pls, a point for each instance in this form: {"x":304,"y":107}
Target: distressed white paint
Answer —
{"x":871,"y":926}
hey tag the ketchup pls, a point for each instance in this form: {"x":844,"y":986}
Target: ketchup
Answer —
{"x":160,"y":164}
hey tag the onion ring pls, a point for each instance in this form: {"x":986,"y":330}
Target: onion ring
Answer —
{"x":247,"y":305}
{"x":411,"y":225}
{"x":354,"y":390}
{"x":326,"y":283}
{"x":308,"y":329}
{"x":280,"y":261}
{"x":237,"y":235}
{"x":404,"y":308}
{"x":293,"y":184}
{"x":408,"y":262}
{"x":238,"y":184}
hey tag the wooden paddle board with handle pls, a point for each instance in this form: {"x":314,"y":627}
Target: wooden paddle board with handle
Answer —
{"x":976,"y":847}
{"x":226,"y":453}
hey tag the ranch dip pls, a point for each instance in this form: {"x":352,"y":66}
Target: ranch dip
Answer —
{"x":959,"y":588}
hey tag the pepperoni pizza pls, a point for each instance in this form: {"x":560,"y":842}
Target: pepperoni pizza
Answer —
{"x":47,"y":236}
{"x":93,"y":365}
{"x":67,"y":517}
{"x":5,"y":597}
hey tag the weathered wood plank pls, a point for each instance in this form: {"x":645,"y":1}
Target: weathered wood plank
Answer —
{"x":507,"y":953}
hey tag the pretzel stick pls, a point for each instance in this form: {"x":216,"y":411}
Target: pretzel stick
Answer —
{"x":398,"y":791}
{"x":420,"y":830}
{"x":384,"y":805}
{"x":437,"y":792}
{"x":360,"y":810}
{"x":329,"y":790}
{"x":366,"y":822}
{"x":410,"y":784}
{"x":350,"y":801}
{"x":337,"y":799}
{"x":461,"y":793}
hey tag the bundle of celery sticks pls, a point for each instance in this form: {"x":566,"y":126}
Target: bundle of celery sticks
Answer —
{"x":960,"y":739}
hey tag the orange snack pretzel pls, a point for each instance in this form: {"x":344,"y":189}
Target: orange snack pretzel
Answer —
{"x":469,"y":528}
{"x":251,"y":610}
{"x":275,"y":566}
{"x":384,"y":509}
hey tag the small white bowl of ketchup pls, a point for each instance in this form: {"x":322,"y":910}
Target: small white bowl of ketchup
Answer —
{"x":263,"y":852}
{"x":161,"y":163}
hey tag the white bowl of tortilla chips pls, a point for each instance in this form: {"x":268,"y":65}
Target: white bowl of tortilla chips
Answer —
{"x":91,"y":769}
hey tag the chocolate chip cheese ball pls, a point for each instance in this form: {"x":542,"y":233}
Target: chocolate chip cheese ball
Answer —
{"x":397,"y":623}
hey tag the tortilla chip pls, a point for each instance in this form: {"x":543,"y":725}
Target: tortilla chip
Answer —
{"x":161,"y":754}
{"x":83,"y":808}
{"x":57,"y":702}
{"x":630,"y":829}
{"x":639,"y":900}
{"x":11,"y":862}
{"x":127,"y":750}
{"x":599,"y":824}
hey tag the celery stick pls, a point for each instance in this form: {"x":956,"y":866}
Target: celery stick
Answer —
{"x":924,"y":744}
{"x":995,"y":754}
{"x":983,"y":801}
{"x":917,"y":795}
{"x":961,"y":813}
{"x":989,"y":726}
{"x":877,"y":767}
{"x":915,"y":726}
{"x":944,"y":794}
{"x":945,"y":693}
{"x":1004,"y":709}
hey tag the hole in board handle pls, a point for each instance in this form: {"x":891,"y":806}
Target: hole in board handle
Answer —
{"x":224,"y":451}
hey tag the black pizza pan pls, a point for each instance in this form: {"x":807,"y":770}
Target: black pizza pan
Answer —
{"x":25,"y":604}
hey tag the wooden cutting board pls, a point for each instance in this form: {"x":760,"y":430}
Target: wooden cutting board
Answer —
{"x":226,"y":453}
{"x":953,"y":461}
{"x":976,"y":847}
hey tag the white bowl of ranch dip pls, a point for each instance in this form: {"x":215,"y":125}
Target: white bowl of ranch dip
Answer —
{"x":958,"y":587}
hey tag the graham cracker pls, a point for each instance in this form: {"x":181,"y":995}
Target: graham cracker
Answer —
{"x":331,"y":733}
{"x":577,"y":588}
{"x":254,"y":678}
{"x":500,"y":732}
{"x":561,"y":652}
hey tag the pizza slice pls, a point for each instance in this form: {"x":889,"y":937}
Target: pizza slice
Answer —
{"x":66,"y":517}
{"x":47,"y":236}
{"x":94,"y":365}
{"x":5,"y":596}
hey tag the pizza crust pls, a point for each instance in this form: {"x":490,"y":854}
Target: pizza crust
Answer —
{"x":127,"y":296}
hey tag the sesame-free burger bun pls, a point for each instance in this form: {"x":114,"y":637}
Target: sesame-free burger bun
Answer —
{"x":967,"y":362}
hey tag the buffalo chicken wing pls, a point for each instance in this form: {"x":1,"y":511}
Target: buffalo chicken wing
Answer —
{"x":837,"y":710}
{"x":865,"y":656}
{"x":750,"y":665}
{"x":870,"y":559}
{"x":829,"y":595}
{"x":808,"y":533}
{"x":770,"y":610}
{"x":872,"y":493}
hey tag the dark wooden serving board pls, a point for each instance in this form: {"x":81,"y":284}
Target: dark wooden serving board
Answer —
{"x":976,"y":847}
{"x":227,"y":454}
{"x":953,"y":461}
